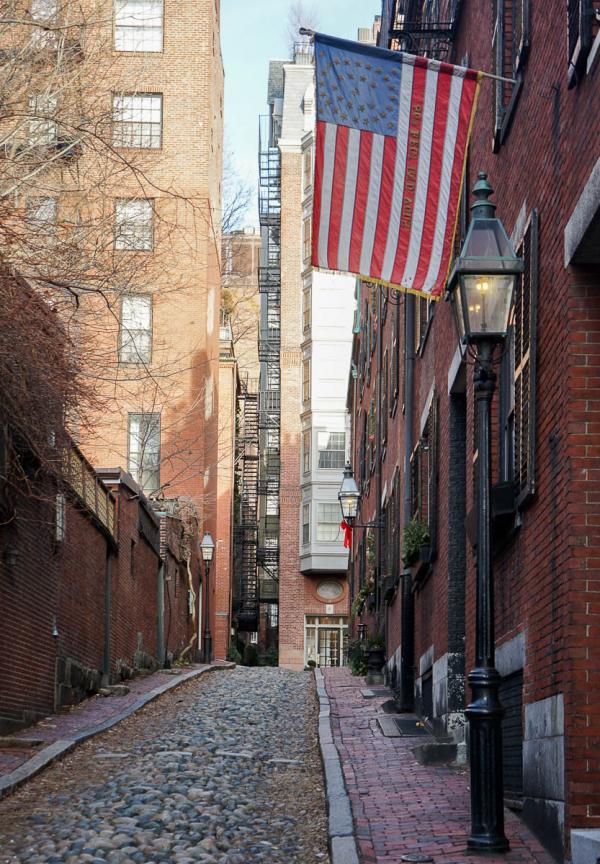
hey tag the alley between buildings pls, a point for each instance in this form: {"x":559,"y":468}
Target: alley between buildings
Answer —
{"x":223,"y":770}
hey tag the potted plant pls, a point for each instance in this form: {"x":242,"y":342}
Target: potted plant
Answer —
{"x":375,"y":659}
{"x":415,"y":542}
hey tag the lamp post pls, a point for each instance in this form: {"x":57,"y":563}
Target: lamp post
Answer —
{"x":208,"y":547}
{"x":483,"y":280}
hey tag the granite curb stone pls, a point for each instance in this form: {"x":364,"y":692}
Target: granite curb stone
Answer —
{"x":10,"y":782}
{"x":340,"y":829}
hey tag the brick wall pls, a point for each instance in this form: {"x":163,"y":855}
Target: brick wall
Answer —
{"x":547,"y":571}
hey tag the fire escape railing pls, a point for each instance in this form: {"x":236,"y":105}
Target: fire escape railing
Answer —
{"x":426,"y":28}
{"x":246,"y":529}
{"x":269,"y":350}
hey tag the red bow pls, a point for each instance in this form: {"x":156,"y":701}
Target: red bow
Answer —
{"x":347,"y":529}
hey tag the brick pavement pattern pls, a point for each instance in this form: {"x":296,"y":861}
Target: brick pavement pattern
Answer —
{"x":399,"y":806}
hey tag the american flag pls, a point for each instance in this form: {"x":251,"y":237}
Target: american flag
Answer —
{"x":392,"y":133}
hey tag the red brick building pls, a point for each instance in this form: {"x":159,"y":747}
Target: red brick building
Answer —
{"x":413,"y":437}
{"x":88,"y":594}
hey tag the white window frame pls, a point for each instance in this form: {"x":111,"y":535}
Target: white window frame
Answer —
{"x":333,"y":511}
{"x":43,"y":129}
{"x":135,"y":339}
{"x":134,"y":224}
{"x":306,"y":523}
{"x":143,"y":456}
{"x":139,"y":29}
{"x":320,"y":437}
{"x":137,"y":121}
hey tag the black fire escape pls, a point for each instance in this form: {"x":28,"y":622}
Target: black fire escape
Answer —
{"x":269,"y":347}
{"x":246,"y":529}
{"x":426,"y":28}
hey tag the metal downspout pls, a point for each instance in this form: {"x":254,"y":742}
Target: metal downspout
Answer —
{"x":407,"y":624}
{"x":107,"y":615}
{"x":160,"y":620}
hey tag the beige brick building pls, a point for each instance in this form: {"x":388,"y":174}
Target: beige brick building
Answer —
{"x":147,"y":79}
{"x":304,"y":353}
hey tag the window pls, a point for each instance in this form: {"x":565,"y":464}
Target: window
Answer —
{"x":60,"y":525}
{"x":306,"y":379}
{"x":307,"y":239}
{"x":423,"y":313}
{"x":136,"y":329}
{"x":332,"y":450}
{"x":306,"y":451}
{"x":307,"y":170}
{"x":583,"y":26}
{"x":43,"y":130}
{"x":372,"y":433}
{"x":385,"y":384}
{"x":42,"y":213}
{"x":144,"y":450}
{"x":518,"y":375}
{"x":328,"y":522}
{"x":46,"y":13}
{"x":43,"y":10}
{"x":254,"y":638}
{"x":273,"y":321}
{"x":273,"y":377}
{"x":306,"y":308}
{"x":134,"y":224}
{"x":137,"y":120}
{"x":423,"y":480}
{"x":139,"y":25}
{"x":510,"y":46}
{"x":272,"y":508}
{"x":305,"y":524}
{"x":273,"y":440}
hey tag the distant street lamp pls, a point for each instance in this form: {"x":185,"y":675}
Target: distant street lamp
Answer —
{"x":483,"y":280}
{"x":208,"y":548}
{"x":349,"y":496}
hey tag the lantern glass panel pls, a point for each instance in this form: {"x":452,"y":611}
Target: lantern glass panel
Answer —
{"x":349,"y":504}
{"x":487,"y":239}
{"x":487,"y":299}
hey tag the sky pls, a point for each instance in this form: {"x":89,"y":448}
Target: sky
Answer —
{"x":252,"y":33}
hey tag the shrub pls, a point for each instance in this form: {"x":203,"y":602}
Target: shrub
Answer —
{"x":250,"y":655}
{"x":357,"y":657}
{"x":233,"y":655}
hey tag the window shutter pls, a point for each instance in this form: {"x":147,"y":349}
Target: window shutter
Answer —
{"x":432,"y":491}
{"x":579,"y":40}
{"x":525,"y":321}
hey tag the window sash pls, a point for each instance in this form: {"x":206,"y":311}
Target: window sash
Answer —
{"x":307,"y":239}
{"x":328,"y":522}
{"x":134,"y":228}
{"x":306,"y":380}
{"x":139,"y":25}
{"x":305,"y":524}
{"x":137,"y":120}
{"x":306,"y":451}
{"x":43,"y":129}
{"x":136,"y":329}
{"x":332,"y":450}
{"x":144,"y":450}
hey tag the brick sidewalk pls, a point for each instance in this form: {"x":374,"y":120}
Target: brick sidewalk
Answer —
{"x":399,"y":806}
{"x":86,"y":716}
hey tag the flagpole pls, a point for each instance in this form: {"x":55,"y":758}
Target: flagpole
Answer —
{"x":305,"y":31}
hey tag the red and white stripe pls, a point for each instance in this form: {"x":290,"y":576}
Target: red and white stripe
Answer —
{"x":361,"y":184}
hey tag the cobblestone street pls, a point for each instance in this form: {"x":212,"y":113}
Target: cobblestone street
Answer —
{"x":224,"y":769}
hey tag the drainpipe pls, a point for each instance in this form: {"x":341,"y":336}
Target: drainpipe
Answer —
{"x":378,"y":483}
{"x":107,"y":615}
{"x":407,"y":647}
{"x":160,"y":619}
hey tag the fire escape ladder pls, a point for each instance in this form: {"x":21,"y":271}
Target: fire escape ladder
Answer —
{"x":246,"y":532}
